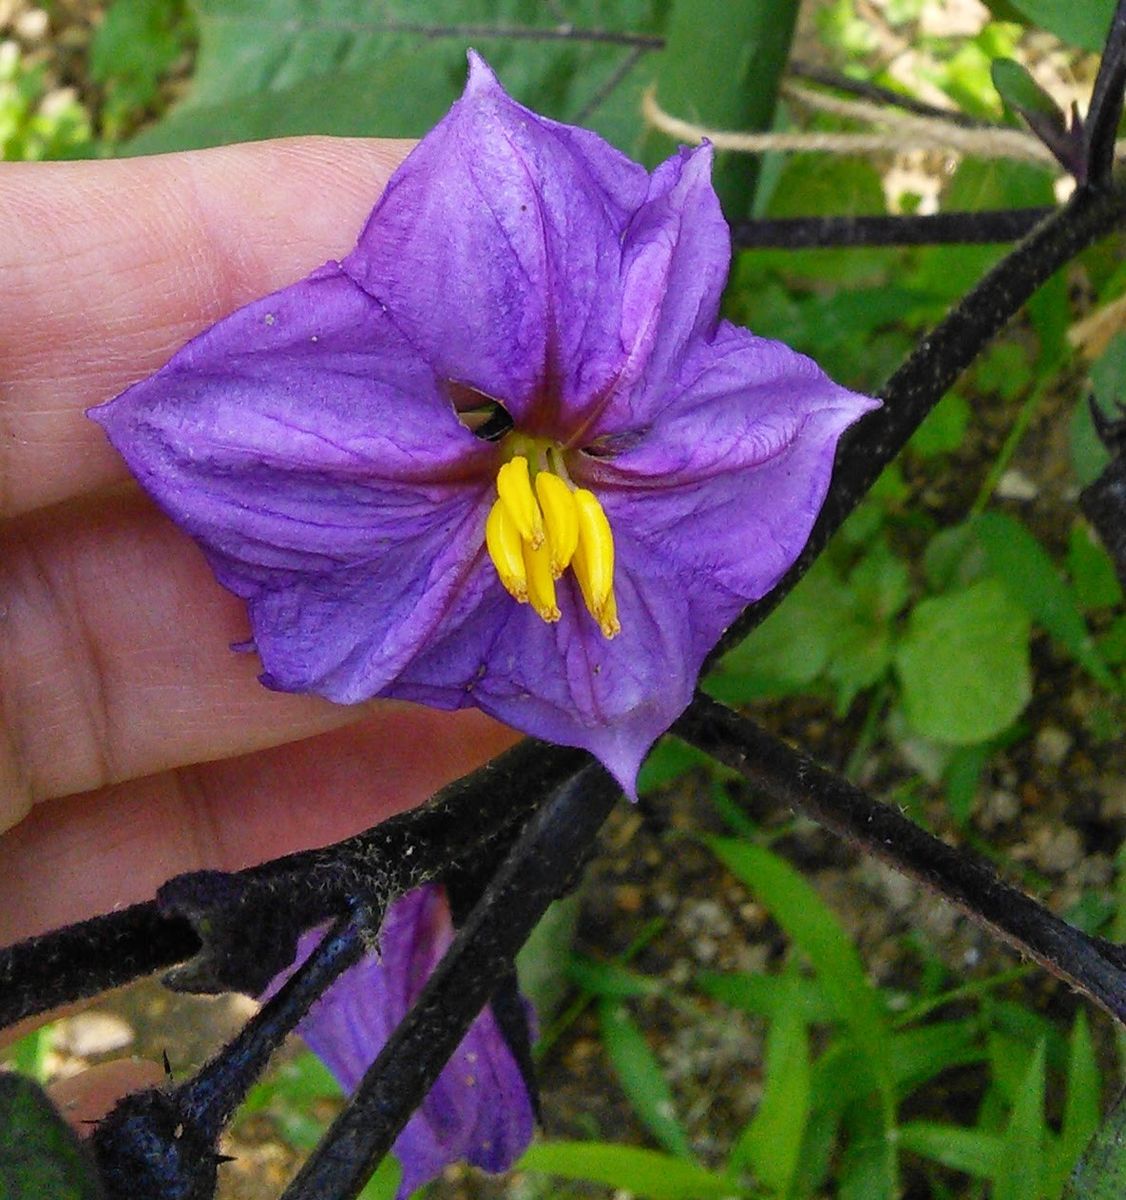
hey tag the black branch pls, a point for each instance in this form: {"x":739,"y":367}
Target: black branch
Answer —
{"x":235,"y":931}
{"x":1101,"y":126}
{"x":947,"y":228}
{"x":1092,"y":965}
{"x":541,"y":866}
{"x":935,"y":363}
{"x":164,"y":1141}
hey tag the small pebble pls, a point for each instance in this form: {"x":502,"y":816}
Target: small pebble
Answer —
{"x":32,"y":25}
{"x":1053,"y":745}
{"x":1057,"y":850}
{"x":90,"y":1034}
{"x":1000,"y":808}
{"x":1015,"y":485}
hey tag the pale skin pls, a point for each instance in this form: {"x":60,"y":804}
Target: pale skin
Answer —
{"x":134,"y":744}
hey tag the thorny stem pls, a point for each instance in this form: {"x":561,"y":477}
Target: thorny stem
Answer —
{"x":211,"y":1096}
{"x":1094,"y":966}
{"x":221,"y":922}
{"x":796,"y":233}
{"x":540,"y":867}
{"x":131,"y":1143}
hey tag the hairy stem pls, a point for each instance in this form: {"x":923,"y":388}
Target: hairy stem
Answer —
{"x":541,"y":865}
{"x":1093,"y":966}
{"x":237,"y":930}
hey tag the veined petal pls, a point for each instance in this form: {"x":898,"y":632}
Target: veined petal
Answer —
{"x":611,"y":697}
{"x":729,"y":478}
{"x":478,"y":1109}
{"x":318,"y":463}
{"x":497,"y":249}
{"x":675,"y":259}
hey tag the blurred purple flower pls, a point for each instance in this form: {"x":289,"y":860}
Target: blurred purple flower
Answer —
{"x":334,"y":447}
{"x":478,"y":1110}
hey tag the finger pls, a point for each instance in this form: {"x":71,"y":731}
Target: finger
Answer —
{"x":115,"y":657}
{"x":106,"y":268}
{"x":85,"y":1098}
{"x":115,"y":847}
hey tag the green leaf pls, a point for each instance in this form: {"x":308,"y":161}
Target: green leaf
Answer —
{"x":270,"y":68}
{"x":962,"y":776}
{"x":869,"y":1167}
{"x":384,"y":1184}
{"x":943,"y":429}
{"x":641,"y":1078}
{"x":1081,"y":1110}
{"x":768,"y":995}
{"x":790,"y":648}
{"x":721,"y":67}
{"x":133,"y":48}
{"x":963,"y":664}
{"x":41,"y":1157}
{"x":918,"y":1055}
{"x":669,"y":760}
{"x":816,"y":932}
{"x":28,"y":1056}
{"x":611,"y":980}
{"x":646,"y":1173}
{"x":1084,"y":25}
{"x":771,"y":1143}
{"x":1021,"y":92}
{"x":1101,"y":1173}
{"x":975,"y":1152}
{"x":1091,"y":570}
{"x":1031,"y":579}
{"x":1020,"y":1174}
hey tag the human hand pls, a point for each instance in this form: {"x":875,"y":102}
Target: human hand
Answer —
{"x":134,"y":744}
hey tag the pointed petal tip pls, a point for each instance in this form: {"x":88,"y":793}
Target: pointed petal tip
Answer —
{"x":481,"y":78}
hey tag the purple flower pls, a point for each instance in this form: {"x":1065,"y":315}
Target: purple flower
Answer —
{"x":478,"y":1110}
{"x":332,"y":447}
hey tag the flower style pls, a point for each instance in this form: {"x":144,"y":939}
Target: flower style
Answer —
{"x":478,"y":1110}
{"x":505,"y":453}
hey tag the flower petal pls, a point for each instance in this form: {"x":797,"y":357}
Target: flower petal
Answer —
{"x":567,"y":683}
{"x":497,"y":248}
{"x":317,"y":461}
{"x":478,"y":1109}
{"x":728,"y":480}
{"x":675,"y":259}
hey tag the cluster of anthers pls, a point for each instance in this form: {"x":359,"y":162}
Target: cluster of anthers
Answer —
{"x":540,"y":525}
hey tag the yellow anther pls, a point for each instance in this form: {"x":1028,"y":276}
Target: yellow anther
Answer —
{"x":502,"y":539}
{"x":541,"y":583}
{"x":593,"y":563}
{"x":608,"y":617}
{"x":514,"y":487}
{"x":561,"y":518}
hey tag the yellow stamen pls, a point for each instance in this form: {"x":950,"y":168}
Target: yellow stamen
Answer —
{"x":561,"y":518}
{"x":597,"y":544}
{"x":502,"y":539}
{"x":541,"y":583}
{"x":540,"y":525}
{"x":514,"y":487}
